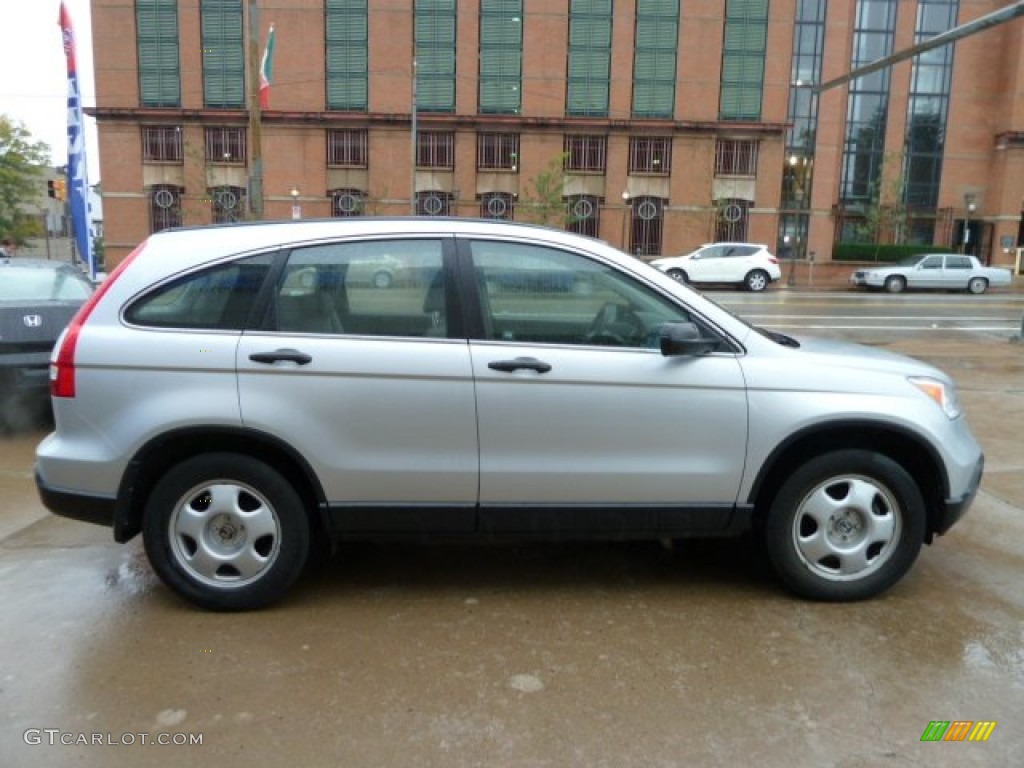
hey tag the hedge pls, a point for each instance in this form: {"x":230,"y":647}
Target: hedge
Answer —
{"x":882,"y":253}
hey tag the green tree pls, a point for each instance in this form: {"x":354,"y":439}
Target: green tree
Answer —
{"x":885,"y":211}
{"x":544,"y":202}
{"x":22,"y":162}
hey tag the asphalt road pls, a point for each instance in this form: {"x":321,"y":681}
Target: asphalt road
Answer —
{"x":557,"y":655}
{"x":864,"y":316}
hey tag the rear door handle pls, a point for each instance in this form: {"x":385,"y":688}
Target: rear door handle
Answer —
{"x":281,"y":355}
{"x":520,"y":363}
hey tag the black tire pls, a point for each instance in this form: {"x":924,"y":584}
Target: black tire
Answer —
{"x":977,"y":285}
{"x":895,"y":284}
{"x":244,"y":543}
{"x":870,"y":539}
{"x":757,"y":280}
{"x":678,"y":275}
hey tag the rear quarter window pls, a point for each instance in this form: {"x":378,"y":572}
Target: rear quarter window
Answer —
{"x":218,"y":298}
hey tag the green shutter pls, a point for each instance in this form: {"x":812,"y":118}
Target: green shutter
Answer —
{"x":589,"y":66}
{"x":157,"y":41}
{"x":743,"y":59}
{"x":654,"y":59}
{"x":501,"y":56}
{"x":223,"y":53}
{"x":434,"y":28}
{"x":347,"y":55}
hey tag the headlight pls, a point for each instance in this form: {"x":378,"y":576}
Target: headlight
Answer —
{"x":942,"y":393}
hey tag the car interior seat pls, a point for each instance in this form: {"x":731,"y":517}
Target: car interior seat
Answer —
{"x":308,"y":311}
{"x":434,"y":306}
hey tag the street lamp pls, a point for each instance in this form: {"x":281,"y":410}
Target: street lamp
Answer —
{"x":969,"y":208}
{"x":296,"y":208}
{"x":791,"y":277}
{"x":799,"y":166}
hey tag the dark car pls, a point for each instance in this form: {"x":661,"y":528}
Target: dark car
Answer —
{"x":37,"y":300}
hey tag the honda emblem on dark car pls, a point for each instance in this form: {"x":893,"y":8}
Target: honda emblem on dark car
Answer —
{"x":32,"y":321}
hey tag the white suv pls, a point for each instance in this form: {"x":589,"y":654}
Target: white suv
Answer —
{"x":239,"y":393}
{"x":748,"y":265}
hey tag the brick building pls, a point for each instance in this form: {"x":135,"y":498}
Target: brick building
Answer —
{"x":661,"y":124}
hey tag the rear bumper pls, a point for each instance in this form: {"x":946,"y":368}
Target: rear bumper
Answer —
{"x":77,"y":506}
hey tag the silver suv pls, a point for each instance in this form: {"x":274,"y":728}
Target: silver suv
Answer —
{"x":232,"y":395}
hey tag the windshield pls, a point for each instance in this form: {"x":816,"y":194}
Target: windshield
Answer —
{"x":910,"y":261}
{"x":30,"y":284}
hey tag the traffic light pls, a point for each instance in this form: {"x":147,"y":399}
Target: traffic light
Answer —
{"x":51,"y":188}
{"x":60,"y":188}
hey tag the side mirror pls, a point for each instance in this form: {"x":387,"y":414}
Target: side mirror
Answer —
{"x":684,"y":339}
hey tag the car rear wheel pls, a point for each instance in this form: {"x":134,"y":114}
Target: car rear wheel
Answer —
{"x":382,"y":279}
{"x":895,"y":284}
{"x":756,"y":280}
{"x":678,"y":275}
{"x":226,"y":532}
{"x":845,"y":526}
{"x":977,"y":285}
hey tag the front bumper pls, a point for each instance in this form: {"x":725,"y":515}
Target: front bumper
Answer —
{"x":953,"y":509}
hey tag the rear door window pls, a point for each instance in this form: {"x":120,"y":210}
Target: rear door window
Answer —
{"x":368,"y":288}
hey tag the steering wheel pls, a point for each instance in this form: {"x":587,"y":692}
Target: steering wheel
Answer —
{"x":607,"y":326}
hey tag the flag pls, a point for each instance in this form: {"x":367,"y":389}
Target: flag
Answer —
{"x":267,"y":70}
{"x":78,"y":181}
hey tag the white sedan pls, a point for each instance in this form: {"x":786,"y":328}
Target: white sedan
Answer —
{"x":933,"y":271}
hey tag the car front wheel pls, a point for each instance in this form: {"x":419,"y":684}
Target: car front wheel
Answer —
{"x":678,"y":275}
{"x":756,"y":280}
{"x":895,"y":284}
{"x":845,"y":526}
{"x":977,"y":285}
{"x":226,"y":532}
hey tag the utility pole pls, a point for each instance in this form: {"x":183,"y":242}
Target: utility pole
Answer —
{"x":412,"y":186}
{"x":255,"y":191}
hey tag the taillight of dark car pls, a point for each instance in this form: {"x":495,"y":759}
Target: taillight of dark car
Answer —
{"x":62,"y":365}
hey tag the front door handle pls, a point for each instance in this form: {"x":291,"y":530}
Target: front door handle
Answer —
{"x":281,"y":355}
{"x":520,"y":363}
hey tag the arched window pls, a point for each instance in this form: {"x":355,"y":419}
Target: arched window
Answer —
{"x":433,"y":203}
{"x":496,"y":205}
{"x":647,"y":226}
{"x":583,"y":214}
{"x":164,"y":207}
{"x":732,"y":221}
{"x":347,"y":202}
{"x":228,"y":204}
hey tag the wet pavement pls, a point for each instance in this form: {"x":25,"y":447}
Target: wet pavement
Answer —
{"x":557,"y":655}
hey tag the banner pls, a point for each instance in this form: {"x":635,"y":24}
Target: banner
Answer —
{"x":78,"y":181}
{"x":267,"y":70}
